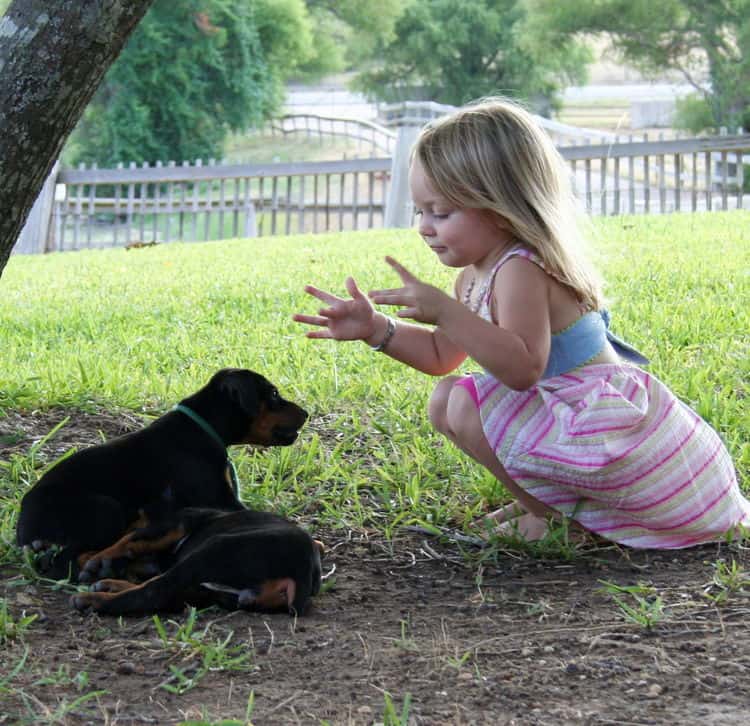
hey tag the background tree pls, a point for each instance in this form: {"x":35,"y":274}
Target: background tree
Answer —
{"x":693,"y":37}
{"x":454,"y":52}
{"x":348,"y":32}
{"x":53,"y":55}
{"x":191,"y":72}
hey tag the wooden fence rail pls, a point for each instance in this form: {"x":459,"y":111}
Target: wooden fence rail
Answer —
{"x":368,"y":135}
{"x":661,"y":176}
{"x":111,"y":207}
{"x":191,"y":202}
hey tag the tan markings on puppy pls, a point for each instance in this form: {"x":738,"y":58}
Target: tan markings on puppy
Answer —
{"x":275,"y":594}
{"x":140,"y":522}
{"x":261,"y":430}
{"x":110,"y":585}
{"x":126,"y":547}
{"x":97,"y":599}
{"x":228,"y":477}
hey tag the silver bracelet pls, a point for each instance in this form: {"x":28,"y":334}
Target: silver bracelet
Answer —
{"x":389,"y":331}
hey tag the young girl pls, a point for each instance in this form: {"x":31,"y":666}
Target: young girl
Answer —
{"x":560,"y":414}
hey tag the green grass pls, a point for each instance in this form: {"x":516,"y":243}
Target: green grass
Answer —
{"x":644,"y":606}
{"x":259,"y":148}
{"x":140,"y":329}
{"x":35,"y":711}
{"x":199,"y":652}
{"x":10,"y":627}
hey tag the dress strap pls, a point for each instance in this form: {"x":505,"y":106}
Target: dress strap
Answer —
{"x":578,"y":343}
{"x":518,"y":250}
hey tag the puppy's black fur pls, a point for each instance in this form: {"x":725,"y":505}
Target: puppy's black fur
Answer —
{"x":238,"y":560}
{"x":91,"y":499}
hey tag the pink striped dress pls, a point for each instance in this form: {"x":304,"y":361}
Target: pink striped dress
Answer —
{"x":612,"y":447}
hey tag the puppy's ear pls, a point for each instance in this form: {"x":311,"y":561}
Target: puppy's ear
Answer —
{"x":241,"y":389}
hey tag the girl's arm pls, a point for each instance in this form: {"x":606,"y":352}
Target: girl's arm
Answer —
{"x":427,"y":350}
{"x":515,"y":348}
{"x":355,"y":318}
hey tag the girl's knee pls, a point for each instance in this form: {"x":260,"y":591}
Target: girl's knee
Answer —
{"x":437,"y":408}
{"x":462,"y":417}
{"x":453,"y":412}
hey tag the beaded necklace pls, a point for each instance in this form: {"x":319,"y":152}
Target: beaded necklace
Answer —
{"x":474,"y":306}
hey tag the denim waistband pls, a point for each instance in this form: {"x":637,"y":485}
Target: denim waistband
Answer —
{"x":583,"y":340}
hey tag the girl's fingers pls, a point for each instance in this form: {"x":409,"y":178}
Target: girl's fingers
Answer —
{"x":353,"y":289}
{"x":392,"y":297}
{"x":309,"y":319}
{"x":334,"y":313}
{"x":388,"y":291}
{"x":403,"y":273}
{"x":390,"y":300}
{"x":326,"y":297}
{"x":324,"y":316}
{"x":325,"y":333}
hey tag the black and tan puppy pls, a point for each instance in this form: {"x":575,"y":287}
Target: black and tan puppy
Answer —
{"x":237,"y":560}
{"x":92,"y":498}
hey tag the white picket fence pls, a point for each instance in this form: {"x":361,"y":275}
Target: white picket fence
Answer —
{"x":217,"y":201}
{"x":90,"y":207}
{"x":368,"y":136}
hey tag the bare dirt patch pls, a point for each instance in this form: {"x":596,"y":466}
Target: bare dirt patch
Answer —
{"x":511,"y":641}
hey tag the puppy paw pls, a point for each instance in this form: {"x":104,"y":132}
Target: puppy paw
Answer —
{"x":96,"y":569}
{"x":39,"y":545}
{"x":83,"y":601}
{"x":110,"y":585}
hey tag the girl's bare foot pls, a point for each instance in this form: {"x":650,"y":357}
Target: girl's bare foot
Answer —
{"x":504,"y":514}
{"x":528,"y":526}
{"x":513,"y":520}
{"x":532,"y":529}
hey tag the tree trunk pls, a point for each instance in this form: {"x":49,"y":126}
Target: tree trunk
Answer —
{"x":53,"y":55}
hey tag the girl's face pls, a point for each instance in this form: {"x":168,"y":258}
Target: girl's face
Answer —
{"x":459,"y":236}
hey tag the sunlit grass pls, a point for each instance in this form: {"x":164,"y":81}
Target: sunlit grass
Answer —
{"x":140,"y":329}
{"x":258,"y":148}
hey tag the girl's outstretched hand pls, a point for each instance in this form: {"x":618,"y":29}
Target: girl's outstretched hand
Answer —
{"x":343,"y":319}
{"x":418,"y":300}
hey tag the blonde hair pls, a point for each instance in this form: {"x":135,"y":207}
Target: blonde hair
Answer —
{"x":493,"y":155}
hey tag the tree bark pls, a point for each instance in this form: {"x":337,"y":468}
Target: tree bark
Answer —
{"x":53,"y":55}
